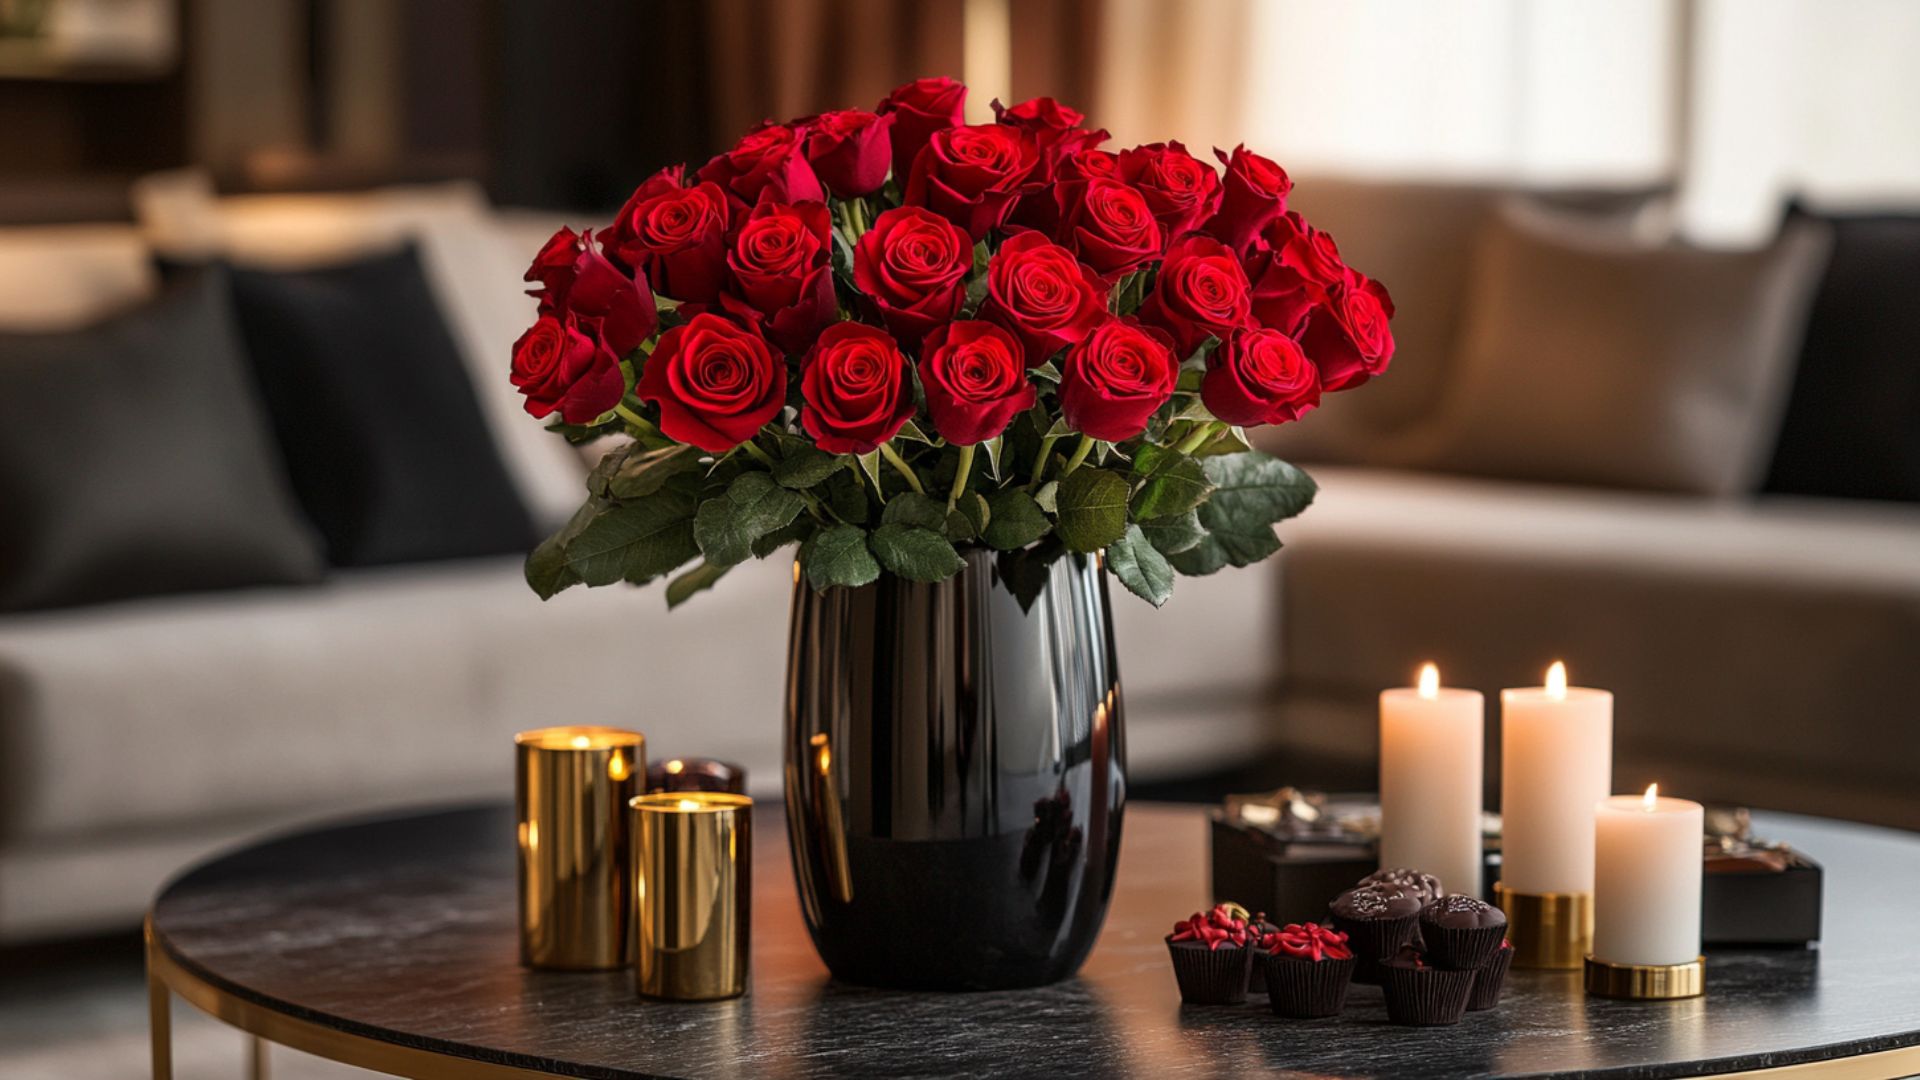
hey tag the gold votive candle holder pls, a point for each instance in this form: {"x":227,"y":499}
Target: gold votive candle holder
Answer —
{"x":571,"y":787}
{"x":1550,"y":931}
{"x":692,"y":875}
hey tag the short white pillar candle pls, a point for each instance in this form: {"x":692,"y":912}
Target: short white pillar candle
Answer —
{"x":1647,"y":867}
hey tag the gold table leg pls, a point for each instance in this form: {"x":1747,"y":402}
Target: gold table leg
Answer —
{"x":159,"y":1018}
{"x":258,"y":1067}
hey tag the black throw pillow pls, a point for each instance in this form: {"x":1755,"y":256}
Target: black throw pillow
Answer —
{"x":135,"y":459}
{"x":1852,"y":426}
{"x":376,"y":417}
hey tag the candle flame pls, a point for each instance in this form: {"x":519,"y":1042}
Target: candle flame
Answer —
{"x":581,"y":742}
{"x":687,"y":804}
{"x":1557,"y":681}
{"x":1647,"y":801}
{"x":1429,"y":681}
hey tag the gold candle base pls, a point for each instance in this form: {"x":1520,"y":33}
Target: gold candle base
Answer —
{"x":692,"y":875}
{"x":1553,"y":931}
{"x":1647,"y":982}
{"x":571,"y":786}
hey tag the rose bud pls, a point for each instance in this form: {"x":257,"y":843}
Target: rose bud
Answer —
{"x":1040,"y":292}
{"x":1259,"y":376}
{"x":975,"y":378}
{"x":1112,"y":382}
{"x":1254,"y":194}
{"x":717,"y":383}
{"x":1349,"y":338}
{"x":919,"y":109}
{"x":676,"y":235}
{"x":1293,"y":267}
{"x":912,"y":264}
{"x":1108,"y":226}
{"x":1201,"y":292}
{"x":766,"y":164}
{"x":1056,"y":129}
{"x":614,"y":306}
{"x":1182,"y":190}
{"x":1089,"y":165}
{"x":972,"y":175}
{"x":561,"y":368}
{"x":781,"y":277}
{"x":854,"y":389}
{"x":849,"y":151}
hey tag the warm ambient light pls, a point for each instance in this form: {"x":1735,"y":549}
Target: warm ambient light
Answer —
{"x":581,"y":742}
{"x":687,"y":804}
{"x":1557,"y":681}
{"x":1648,"y":801}
{"x":675,"y":766}
{"x":1429,"y":681}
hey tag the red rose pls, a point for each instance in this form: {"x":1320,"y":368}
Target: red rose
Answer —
{"x":855,"y":388}
{"x":919,"y":109}
{"x":1113,"y":381}
{"x":716,"y":383}
{"x":1108,"y":225}
{"x":1201,"y":292}
{"x":1259,"y":376}
{"x":1040,"y":292}
{"x":849,"y":151}
{"x":912,"y":264}
{"x":1293,"y":268}
{"x":560,"y":367}
{"x":766,"y":164}
{"x":1255,"y":193}
{"x":1089,"y":165}
{"x":1056,"y":128}
{"x":972,"y":175}
{"x":1349,"y":338}
{"x":1182,"y":190}
{"x":677,"y":235}
{"x":608,"y":303}
{"x":780,"y":272}
{"x":976,"y":381}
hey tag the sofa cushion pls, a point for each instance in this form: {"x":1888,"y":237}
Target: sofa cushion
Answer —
{"x":60,"y":277}
{"x":1599,"y":362}
{"x":375,"y":414}
{"x":1744,"y":642}
{"x":474,"y":266}
{"x":1852,"y":427}
{"x":135,"y":459}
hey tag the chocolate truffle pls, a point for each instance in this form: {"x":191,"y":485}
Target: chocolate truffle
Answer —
{"x":1212,"y":955}
{"x":1423,"y":885}
{"x":1377,"y":920}
{"x":1461,"y":932}
{"x":1308,"y":968}
{"x":1421,"y":995}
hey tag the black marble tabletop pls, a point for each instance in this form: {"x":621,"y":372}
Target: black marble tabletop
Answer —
{"x":403,"y":929}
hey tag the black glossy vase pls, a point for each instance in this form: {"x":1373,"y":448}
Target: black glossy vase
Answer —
{"x":955,"y":773}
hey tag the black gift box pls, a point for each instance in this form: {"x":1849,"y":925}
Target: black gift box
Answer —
{"x":1762,"y":907}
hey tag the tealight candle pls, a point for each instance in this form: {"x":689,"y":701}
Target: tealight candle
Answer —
{"x":571,"y":786}
{"x":1432,"y":740}
{"x":692,"y":876}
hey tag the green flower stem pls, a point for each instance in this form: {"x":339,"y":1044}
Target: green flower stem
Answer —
{"x":1201,"y":436}
{"x":856,"y":218}
{"x":634,"y":418}
{"x":1040,"y":462}
{"x":759,"y":455}
{"x":905,"y":470}
{"x":960,"y":477}
{"x":1079,"y":455}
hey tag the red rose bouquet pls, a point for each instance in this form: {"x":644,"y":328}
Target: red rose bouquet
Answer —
{"x":880,"y":335}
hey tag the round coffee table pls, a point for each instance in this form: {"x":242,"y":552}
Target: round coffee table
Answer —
{"x":390,"y":944}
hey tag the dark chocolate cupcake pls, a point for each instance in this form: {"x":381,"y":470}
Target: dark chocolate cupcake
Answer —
{"x":1489,"y":978}
{"x":1423,"y":885}
{"x":1461,"y":932}
{"x":1261,"y":930}
{"x":1308,"y":969}
{"x":1377,"y":920}
{"x":1212,"y":957}
{"x":1420,"y":995}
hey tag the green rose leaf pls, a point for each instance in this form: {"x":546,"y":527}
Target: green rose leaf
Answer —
{"x":1253,"y":490}
{"x":1173,"y":535}
{"x":804,"y":468}
{"x":908,"y":508}
{"x":697,"y":580}
{"x":979,"y":513}
{"x":640,"y":474}
{"x":798,"y":529}
{"x":1140,"y":567}
{"x":1014,"y":520}
{"x":752,"y":507}
{"x":1092,"y":509}
{"x":914,"y":553}
{"x":1172,"y":483}
{"x":635,"y":541}
{"x":1047,"y":495}
{"x":1220,"y":549}
{"x":547,"y":570}
{"x":838,"y":556}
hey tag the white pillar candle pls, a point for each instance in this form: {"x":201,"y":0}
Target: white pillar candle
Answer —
{"x":1431,"y":745}
{"x":1556,"y":762}
{"x":1647,"y":865}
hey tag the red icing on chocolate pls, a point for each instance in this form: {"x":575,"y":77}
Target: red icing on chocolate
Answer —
{"x":1215,"y":928}
{"x":1308,"y":941}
